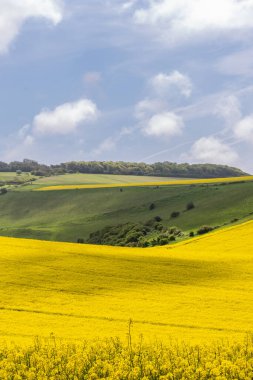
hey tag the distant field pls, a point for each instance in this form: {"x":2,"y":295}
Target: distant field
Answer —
{"x":198,"y":291}
{"x":93,"y":179}
{"x":129,"y":182}
{"x":69,"y":215}
{"x":13,"y":177}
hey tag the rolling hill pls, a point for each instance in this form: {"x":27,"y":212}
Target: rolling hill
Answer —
{"x":68,"y":215}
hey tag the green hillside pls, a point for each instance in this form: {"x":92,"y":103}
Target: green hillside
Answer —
{"x":69,"y":215}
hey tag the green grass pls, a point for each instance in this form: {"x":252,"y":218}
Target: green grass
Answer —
{"x":6,"y":177}
{"x":92,"y":179}
{"x":68,"y":215}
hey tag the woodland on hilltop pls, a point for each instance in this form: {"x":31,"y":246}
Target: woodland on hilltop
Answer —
{"x":161,"y":169}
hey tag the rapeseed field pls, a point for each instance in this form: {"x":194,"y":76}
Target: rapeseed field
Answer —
{"x":112,"y":359}
{"x":200,"y":290}
{"x":153,"y":183}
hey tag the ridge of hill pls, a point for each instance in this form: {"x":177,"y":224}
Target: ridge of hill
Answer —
{"x":161,"y":169}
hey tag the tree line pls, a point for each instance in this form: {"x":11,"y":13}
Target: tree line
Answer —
{"x":159,"y":169}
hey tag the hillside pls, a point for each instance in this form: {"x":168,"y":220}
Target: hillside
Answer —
{"x":69,"y":215}
{"x":197,"y":291}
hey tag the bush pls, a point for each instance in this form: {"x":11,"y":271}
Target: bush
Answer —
{"x":174,"y":214}
{"x":172,"y":238}
{"x":3,"y":191}
{"x":204,"y":230}
{"x":190,"y":206}
{"x":158,"y":218}
{"x":191,"y":234}
{"x":163,"y":241}
{"x":80,"y":241}
{"x":152,"y":206}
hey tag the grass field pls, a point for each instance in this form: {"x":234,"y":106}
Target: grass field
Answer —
{"x":196,"y":291}
{"x":69,"y":215}
{"x":95,"y":179}
{"x":6,"y":177}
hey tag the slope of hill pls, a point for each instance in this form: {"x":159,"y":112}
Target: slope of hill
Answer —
{"x":69,"y":215}
{"x":197,"y":291}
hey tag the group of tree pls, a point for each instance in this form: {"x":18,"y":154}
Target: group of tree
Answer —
{"x":148,"y":234}
{"x":160,"y":169}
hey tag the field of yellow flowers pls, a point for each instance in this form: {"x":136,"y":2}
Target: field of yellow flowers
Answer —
{"x":199,"y":290}
{"x":111,"y":359}
{"x":153,"y":183}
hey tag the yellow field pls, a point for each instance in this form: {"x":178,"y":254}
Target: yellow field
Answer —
{"x":160,"y":183}
{"x":199,"y":290}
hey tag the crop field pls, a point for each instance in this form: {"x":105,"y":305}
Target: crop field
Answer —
{"x":113,"y":359}
{"x":155,"y":182}
{"x":197,"y":291}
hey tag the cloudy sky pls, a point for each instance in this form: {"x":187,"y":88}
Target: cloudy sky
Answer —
{"x":136,"y":80}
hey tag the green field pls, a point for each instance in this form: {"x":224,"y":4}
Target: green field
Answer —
{"x":91,"y":179}
{"x":69,"y":215}
{"x":7,"y":177}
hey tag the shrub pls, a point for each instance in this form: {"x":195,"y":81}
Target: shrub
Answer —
{"x":80,"y":241}
{"x":172,"y":238}
{"x":158,"y":218}
{"x":152,"y":206}
{"x":3,"y":191}
{"x":144,"y":244}
{"x":190,"y":206}
{"x":174,"y":214}
{"x":158,"y":226}
{"x":191,"y":234}
{"x":204,"y":230}
{"x":163,"y":241}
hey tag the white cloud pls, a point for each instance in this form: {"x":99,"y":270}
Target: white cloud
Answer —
{"x":147,"y":107}
{"x":244,"y":129}
{"x":13,"y":13}
{"x":185,"y":18}
{"x":106,"y":146}
{"x":65,"y":118}
{"x":127,"y":5}
{"x":212,"y":150}
{"x":164,"y":83}
{"x":166,"y":124}
{"x":229,"y":108}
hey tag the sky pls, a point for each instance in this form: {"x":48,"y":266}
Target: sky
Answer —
{"x":127,"y":80}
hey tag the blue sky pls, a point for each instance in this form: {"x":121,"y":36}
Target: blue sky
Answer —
{"x":144,"y":80}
